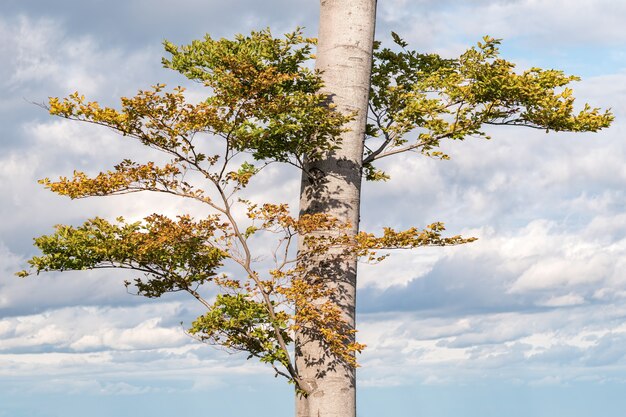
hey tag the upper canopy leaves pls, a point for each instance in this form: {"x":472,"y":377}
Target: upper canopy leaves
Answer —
{"x":266,"y":100}
{"x":265,"y":90}
{"x":435,"y":98}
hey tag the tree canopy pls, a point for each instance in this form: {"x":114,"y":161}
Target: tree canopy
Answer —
{"x":264,"y":106}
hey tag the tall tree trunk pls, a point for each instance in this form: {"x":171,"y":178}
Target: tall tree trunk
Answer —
{"x":333,"y":186}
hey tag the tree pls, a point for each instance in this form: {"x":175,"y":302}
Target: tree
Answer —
{"x":266,"y":106}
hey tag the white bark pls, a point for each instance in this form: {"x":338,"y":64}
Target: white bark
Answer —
{"x":344,"y":54}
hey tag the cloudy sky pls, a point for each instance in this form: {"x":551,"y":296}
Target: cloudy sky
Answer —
{"x":527,"y":321}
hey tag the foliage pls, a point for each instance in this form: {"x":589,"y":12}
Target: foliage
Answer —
{"x":434,"y":98}
{"x":265,"y":102}
{"x":174,"y":255}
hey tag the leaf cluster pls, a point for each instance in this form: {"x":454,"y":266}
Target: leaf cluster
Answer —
{"x":432,"y":98}
{"x":265,"y":92}
{"x":237,"y":322}
{"x":172,"y":255}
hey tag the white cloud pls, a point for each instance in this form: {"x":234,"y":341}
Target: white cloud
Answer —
{"x":146,"y":335}
{"x":113,"y":351}
{"x":526,"y":346}
{"x":402,"y":268}
{"x":94,"y":328}
{"x":39,"y":51}
{"x":563,"y":272}
{"x":564,"y":300}
{"x":559,"y":22}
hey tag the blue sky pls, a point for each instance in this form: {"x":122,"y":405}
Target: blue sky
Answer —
{"x":527,"y":321}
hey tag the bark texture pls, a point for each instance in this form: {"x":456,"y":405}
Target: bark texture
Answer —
{"x":333,"y":186}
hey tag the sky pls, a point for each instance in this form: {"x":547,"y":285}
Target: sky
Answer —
{"x":527,"y":321}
